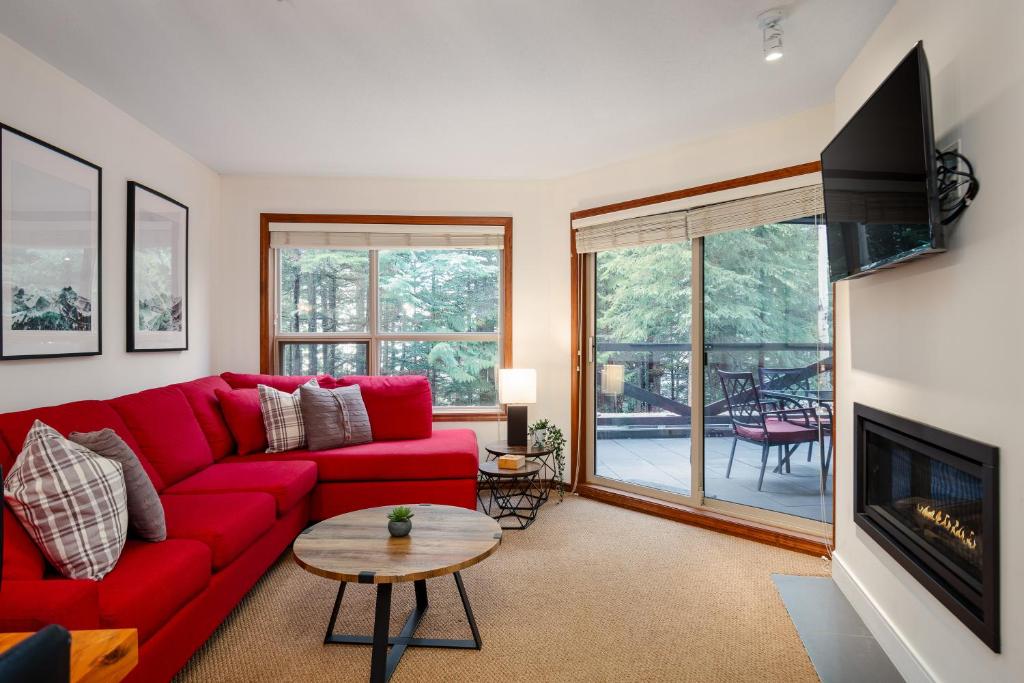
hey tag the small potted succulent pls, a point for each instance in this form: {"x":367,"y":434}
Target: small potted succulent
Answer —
{"x":400,"y":521}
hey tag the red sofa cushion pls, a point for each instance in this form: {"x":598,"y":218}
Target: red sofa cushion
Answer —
{"x":241,"y":409}
{"x":288,"y":482}
{"x":201,"y":395}
{"x":285,"y":383}
{"x":21,"y":556}
{"x":226,"y":522}
{"x":151,"y":582}
{"x":79,"y":416}
{"x":31,"y":605}
{"x":167,"y":432}
{"x":447,"y":454}
{"x":398,"y":407}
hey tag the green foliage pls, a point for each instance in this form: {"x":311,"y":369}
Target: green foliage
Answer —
{"x":439,"y":290}
{"x":555,"y":440}
{"x":400,"y":514}
{"x":761,"y":285}
{"x":425,"y":291}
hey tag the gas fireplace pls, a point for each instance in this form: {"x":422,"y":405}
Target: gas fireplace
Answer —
{"x":930,"y":499}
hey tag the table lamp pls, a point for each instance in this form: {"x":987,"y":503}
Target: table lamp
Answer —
{"x":516,"y":388}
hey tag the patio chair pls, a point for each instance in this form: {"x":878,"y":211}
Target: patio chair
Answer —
{"x":787,"y":380}
{"x":761,"y":422}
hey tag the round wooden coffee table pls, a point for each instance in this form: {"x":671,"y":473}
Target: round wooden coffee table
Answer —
{"x":357,"y":548}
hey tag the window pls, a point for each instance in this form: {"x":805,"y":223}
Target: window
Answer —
{"x":392,"y":298}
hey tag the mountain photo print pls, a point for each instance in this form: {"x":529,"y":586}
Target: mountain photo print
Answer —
{"x":157,"y":271}
{"x":49,"y":250}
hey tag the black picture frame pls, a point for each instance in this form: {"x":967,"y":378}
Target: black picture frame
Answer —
{"x":136,"y":340}
{"x":11,"y":349}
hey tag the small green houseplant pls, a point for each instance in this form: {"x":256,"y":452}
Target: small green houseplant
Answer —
{"x":400,"y":521}
{"x":551,"y":437}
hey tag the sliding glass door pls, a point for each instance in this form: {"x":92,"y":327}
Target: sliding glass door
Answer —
{"x":756,"y":305}
{"x":767,"y":374}
{"x":642,"y":311}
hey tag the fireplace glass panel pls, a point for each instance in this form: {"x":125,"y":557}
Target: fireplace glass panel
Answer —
{"x":938,"y":504}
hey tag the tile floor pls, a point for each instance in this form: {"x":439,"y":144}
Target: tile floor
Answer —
{"x":840,"y":646}
{"x":664,"y":464}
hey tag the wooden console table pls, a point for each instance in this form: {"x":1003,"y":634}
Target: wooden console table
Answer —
{"x":102,"y":655}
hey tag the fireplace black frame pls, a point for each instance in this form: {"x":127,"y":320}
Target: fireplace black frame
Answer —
{"x":979,"y":611}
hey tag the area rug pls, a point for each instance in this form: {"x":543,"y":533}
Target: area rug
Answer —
{"x":590,"y":592}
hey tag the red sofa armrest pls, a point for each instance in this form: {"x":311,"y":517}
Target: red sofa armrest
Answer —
{"x":29,"y":605}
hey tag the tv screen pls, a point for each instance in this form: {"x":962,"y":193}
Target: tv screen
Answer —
{"x":879,"y":177}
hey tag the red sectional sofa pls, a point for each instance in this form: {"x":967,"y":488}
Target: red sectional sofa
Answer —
{"x":229,"y":515}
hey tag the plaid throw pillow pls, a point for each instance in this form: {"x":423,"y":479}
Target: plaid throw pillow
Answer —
{"x":282,"y":418}
{"x":71,"y":501}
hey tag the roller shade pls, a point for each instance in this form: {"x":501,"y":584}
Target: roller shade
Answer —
{"x":775,"y":207}
{"x":377,"y":236}
{"x":633,"y":232}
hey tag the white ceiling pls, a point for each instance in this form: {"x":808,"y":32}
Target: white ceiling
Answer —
{"x":440,"y":88}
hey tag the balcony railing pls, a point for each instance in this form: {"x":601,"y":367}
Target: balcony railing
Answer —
{"x":653,"y":413}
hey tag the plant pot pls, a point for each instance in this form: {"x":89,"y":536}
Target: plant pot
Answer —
{"x":539,"y":437}
{"x":399,"y":529}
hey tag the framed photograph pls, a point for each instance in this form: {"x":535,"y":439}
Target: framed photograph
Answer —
{"x":157,"y":271}
{"x":50,"y":218}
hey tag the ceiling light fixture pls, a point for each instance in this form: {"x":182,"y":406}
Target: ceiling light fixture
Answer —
{"x":772,"y":33}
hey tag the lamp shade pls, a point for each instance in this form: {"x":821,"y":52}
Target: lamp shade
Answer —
{"x":517,"y":386}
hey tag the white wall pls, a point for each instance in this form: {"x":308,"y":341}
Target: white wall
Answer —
{"x":940,"y":341}
{"x":41,"y":101}
{"x":540,"y":212}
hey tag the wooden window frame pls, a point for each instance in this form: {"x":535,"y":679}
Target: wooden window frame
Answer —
{"x":268,"y":338}
{"x":696,"y":516}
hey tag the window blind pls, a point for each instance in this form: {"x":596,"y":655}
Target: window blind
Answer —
{"x":775,"y":207}
{"x":378,"y":236}
{"x":678,"y":226}
{"x":633,"y":232}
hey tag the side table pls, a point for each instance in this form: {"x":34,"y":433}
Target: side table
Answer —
{"x":513,"y":494}
{"x":517,"y":496}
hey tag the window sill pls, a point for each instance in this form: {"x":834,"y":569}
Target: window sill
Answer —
{"x":470,"y":416}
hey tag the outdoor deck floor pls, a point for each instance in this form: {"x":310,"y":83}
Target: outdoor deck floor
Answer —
{"x":665,"y":464}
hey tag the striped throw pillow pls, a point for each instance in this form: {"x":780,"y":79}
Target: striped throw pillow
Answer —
{"x":71,"y":501}
{"x":282,"y":417}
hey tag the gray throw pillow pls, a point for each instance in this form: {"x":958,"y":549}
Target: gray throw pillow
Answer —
{"x":145,"y":513}
{"x":334,"y":417}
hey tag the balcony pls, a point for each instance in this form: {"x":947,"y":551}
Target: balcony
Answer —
{"x":643,"y":423}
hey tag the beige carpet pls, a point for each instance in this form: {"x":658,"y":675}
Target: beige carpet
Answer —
{"x":590,"y":592}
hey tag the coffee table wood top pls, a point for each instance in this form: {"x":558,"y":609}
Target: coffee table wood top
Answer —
{"x":356,"y":547}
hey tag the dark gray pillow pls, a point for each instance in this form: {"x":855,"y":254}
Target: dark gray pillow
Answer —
{"x":333,"y":417}
{"x":357,"y":421}
{"x":145,"y":513}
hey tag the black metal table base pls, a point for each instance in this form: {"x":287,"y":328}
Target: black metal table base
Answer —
{"x":382,"y":661}
{"x":517,"y":501}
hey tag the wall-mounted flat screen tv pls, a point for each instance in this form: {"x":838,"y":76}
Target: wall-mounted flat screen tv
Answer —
{"x":879,"y":177}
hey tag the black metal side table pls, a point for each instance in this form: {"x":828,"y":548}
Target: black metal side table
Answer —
{"x":515,"y":495}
